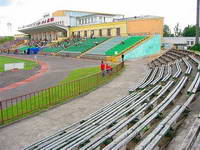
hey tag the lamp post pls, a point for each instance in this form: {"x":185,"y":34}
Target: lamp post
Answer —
{"x":197,"y":23}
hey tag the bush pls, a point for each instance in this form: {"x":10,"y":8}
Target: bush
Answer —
{"x":6,"y":39}
{"x":196,"y":47}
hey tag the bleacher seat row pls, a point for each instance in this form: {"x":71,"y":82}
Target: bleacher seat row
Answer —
{"x":191,"y":141}
{"x":140,"y":120}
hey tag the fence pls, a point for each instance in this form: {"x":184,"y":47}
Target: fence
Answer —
{"x":25,"y":105}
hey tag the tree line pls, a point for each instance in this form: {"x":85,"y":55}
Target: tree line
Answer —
{"x":189,"y":31}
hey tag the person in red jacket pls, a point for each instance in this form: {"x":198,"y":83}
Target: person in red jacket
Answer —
{"x":102,"y":68}
{"x":108,"y":68}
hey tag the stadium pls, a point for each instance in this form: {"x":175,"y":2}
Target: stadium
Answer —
{"x":77,"y":80}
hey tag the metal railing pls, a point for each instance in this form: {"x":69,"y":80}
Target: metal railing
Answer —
{"x":25,"y":105}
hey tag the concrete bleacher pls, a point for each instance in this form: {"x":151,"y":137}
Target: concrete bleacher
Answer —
{"x":102,"y":48}
{"x":85,"y":45}
{"x":192,"y":140}
{"x":140,"y":120}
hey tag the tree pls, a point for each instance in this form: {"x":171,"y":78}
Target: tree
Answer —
{"x":189,"y":31}
{"x":166,"y":31}
{"x":177,"y":30}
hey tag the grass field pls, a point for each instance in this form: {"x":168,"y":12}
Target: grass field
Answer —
{"x":80,"y":73}
{"x":6,"y":60}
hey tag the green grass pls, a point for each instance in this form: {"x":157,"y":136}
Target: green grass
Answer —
{"x":29,"y":65}
{"x":6,"y":39}
{"x":55,"y":95}
{"x":80,"y":73}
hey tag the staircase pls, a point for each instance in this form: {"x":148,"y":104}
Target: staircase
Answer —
{"x":102,"y":48}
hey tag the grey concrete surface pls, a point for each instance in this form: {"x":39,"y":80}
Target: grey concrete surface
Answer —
{"x":59,"y":67}
{"x":28,"y":131}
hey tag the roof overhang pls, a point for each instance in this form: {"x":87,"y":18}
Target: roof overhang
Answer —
{"x":44,"y":28}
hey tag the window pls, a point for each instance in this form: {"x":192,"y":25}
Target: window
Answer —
{"x":100,"y":32}
{"x":192,"y":42}
{"x":108,"y":32}
{"x":85,"y":20}
{"x":100,"y":19}
{"x":79,"y":21}
{"x":188,"y":42}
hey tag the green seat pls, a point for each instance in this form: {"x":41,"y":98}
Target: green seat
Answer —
{"x":83,"y":46}
{"x":131,"y":41}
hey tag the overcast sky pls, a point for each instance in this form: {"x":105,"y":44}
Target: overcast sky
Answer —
{"x":23,"y":12}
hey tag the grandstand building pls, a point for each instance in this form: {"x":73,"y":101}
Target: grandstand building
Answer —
{"x":67,"y":23}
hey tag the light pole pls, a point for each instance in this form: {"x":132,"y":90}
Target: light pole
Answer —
{"x":197,"y":23}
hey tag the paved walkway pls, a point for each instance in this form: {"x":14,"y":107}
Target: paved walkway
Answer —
{"x":28,"y":131}
{"x":58,"y":68}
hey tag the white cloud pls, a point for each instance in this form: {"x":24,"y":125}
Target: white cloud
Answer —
{"x":22,"y":12}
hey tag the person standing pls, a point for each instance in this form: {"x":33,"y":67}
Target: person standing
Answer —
{"x":107,"y":68}
{"x":122,"y":57}
{"x":102,"y":68}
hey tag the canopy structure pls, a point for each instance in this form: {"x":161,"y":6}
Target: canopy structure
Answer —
{"x":48,"y":31}
{"x":44,"y":28}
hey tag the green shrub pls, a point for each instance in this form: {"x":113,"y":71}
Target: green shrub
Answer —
{"x":6,"y":39}
{"x":196,"y":47}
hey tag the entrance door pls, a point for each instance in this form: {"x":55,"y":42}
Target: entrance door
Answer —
{"x":100,"y":32}
{"x":85,"y":33}
{"x":108,"y":32}
{"x":118,"y":31}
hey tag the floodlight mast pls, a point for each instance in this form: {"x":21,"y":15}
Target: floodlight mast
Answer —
{"x":197,"y":23}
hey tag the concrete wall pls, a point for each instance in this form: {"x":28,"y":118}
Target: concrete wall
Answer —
{"x":150,"y":47}
{"x":149,"y":26}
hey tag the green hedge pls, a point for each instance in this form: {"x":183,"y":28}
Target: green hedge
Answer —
{"x":195,"y":47}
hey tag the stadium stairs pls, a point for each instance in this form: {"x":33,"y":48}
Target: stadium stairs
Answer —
{"x":99,"y":51}
{"x":21,"y":43}
{"x":146,"y":119}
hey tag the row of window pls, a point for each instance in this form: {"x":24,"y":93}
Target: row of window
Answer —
{"x":91,"y":20}
{"x":100,"y":33}
{"x":191,"y":43}
{"x":60,"y":22}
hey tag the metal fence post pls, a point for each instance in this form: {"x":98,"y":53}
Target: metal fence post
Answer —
{"x":1,"y":109}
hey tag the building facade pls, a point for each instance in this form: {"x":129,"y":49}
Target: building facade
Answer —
{"x":67,"y":23}
{"x":178,"y":42}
